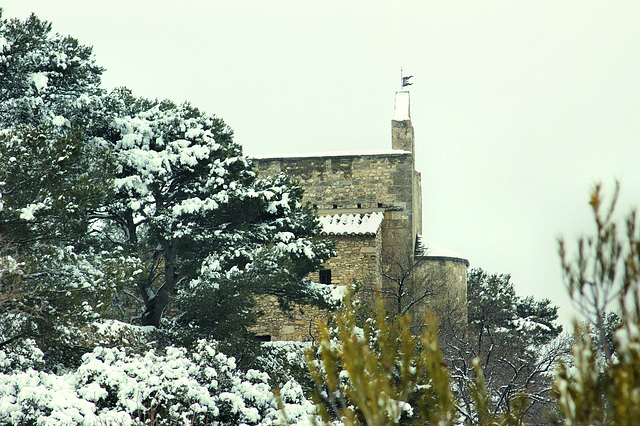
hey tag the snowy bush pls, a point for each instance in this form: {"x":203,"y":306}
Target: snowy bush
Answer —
{"x":283,"y":361}
{"x":21,"y":357}
{"x":175,"y":387}
{"x":135,"y":384}
{"x":112,"y":333}
{"x":32,"y":396}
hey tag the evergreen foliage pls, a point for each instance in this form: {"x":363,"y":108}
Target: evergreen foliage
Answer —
{"x":53,"y":180}
{"x":599,"y":385}
{"x":45,"y":78}
{"x":104,"y":193}
{"x":381,"y":373}
{"x":205,"y":226}
{"x":494,"y":307}
{"x":52,"y":188}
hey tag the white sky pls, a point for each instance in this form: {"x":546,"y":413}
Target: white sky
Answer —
{"x":518,"y":106}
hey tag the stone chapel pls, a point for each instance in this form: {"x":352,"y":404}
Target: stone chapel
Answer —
{"x":370,"y":204}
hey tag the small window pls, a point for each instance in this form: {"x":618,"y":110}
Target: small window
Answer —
{"x":359,"y":205}
{"x":325,"y":276}
{"x":315,"y":207}
{"x":335,"y":206}
{"x":379,"y":205}
{"x":263,"y":338}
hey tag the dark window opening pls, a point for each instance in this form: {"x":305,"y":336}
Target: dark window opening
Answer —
{"x":315,"y":206}
{"x":379,"y":205}
{"x":264,"y":338}
{"x":335,"y":206}
{"x":359,"y":205}
{"x":325,"y":276}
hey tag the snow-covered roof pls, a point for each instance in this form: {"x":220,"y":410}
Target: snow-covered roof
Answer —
{"x":403,"y":106}
{"x":428,"y":248}
{"x":334,"y":153}
{"x":351,"y":224}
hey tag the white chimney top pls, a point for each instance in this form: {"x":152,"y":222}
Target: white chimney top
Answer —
{"x":402,"y":108}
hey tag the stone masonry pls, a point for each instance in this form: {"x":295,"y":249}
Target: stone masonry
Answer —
{"x":357,"y":260}
{"x":362,"y":182}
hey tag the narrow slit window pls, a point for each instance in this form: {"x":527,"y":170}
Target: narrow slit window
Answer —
{"x":325,"y":276}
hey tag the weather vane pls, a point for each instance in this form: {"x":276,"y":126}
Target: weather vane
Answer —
{"x":405,"y":80}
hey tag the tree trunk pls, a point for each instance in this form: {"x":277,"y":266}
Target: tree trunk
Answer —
{"x":155,"y":306}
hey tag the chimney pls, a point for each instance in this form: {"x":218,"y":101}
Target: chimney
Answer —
{"x":401,"y":128}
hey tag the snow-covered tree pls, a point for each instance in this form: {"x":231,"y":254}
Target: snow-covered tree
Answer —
{"x":54,"y":180}
{"x":51,"y":186}
{"x":45,"y":78}
{"x":204,"y":224}
{"x":50,"y":189}
{"x":187,"y":205}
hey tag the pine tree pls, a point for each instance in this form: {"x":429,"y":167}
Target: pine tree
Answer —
{"x":45,"y":78}
{"x":188,"y":201}
{"x":51,"y":189}
{"x":182,"y":202}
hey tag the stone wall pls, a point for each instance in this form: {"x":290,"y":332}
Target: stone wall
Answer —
{"x":402,"y":135}
{"x":348,"y":181}
{"x":337,"y":184}
{"x":417,"y":204}
{"x":357,"y":260}
{"x":300,"y":324}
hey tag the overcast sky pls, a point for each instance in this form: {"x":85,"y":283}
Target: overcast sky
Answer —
{"x":518,"y":106}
